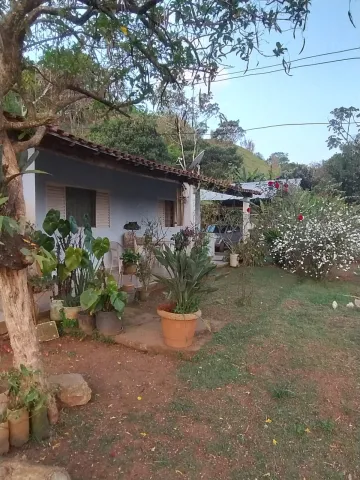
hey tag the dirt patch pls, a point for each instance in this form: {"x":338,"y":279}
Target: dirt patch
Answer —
{"x":290,"y":304}
{"x":91,"y":440}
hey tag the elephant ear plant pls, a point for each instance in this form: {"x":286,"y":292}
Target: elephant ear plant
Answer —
{"x":105,"y":301}
{"x":78,"y":254}
{"x":185,"y":285}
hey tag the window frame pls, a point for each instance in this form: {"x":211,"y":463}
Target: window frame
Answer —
{"x":64,"y":185}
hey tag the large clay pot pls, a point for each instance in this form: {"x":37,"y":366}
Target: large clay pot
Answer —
{"x":86,"y":323}
{"x":130,"y":268}
{"x":108,"y":323}
{"x":178,"y":328}
{"x":71,"y":312}
{"x":4,"y":437}
{"x":19,"y":427}
{"x":55,"y":307}
{"x":40,"y":426}
{"x":234,"y":259}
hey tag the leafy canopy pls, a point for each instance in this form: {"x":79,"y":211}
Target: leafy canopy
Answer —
{"x":119,"y":53}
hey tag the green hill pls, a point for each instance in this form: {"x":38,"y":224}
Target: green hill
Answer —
{"x":252,"y":162}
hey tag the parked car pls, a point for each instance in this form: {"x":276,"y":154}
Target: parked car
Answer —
{"x":225,"y":236}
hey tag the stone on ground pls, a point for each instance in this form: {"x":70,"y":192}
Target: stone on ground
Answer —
{"x":19,"y":470}
{"x":350,"y":305}
{"x":72,"y":389}
{"x":357,"y":302}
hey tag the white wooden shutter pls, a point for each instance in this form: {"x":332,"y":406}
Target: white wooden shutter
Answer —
{"x":56,"y":199}
{"x":161,"y":212}
{"x":102,"y":209}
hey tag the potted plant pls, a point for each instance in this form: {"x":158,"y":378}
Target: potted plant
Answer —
{"x":4,"y":433}
{"x":25,"y":395}
{"x":130,"y":260}
{"x":185,"y":284}
{"x":107,"y":303}
{"x":234,"y":255}
{"x":71,"y":307}
{"x":153,"y":238}
{"x":144,"y":274}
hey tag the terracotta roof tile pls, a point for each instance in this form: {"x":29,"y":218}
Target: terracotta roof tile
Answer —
{"x":118,"y":156}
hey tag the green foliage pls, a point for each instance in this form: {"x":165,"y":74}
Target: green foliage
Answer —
{"x":228,"y":131}
{"x":24,"y":389}
{"x":243,"y":175}
{"x":187,"y":274}
{"x":136,"y":136}
{"x":78,"y":254}
{"x":129,"y":257}
{"x":344,"y":169}
{"x":310,"y":234}
{"x":104,"y":297}
{"x":220,"y":161}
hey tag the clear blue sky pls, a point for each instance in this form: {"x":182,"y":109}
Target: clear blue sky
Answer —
{"x":308,"y":96}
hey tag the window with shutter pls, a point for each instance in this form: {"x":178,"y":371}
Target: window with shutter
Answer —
{"x":56,"y":199}
{"x":77,"y":202}
{"x":166,"y":213}
{"x":81,"y":202}
{"x":102,"y":209}
{"x":161,"y":212}
{"x":169,"y":213}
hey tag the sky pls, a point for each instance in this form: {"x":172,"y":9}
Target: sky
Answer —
{"x":309,"y":95}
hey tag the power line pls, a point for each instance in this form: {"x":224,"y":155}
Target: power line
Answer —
{"x":289,"y":62}
{"x":281,"y":69}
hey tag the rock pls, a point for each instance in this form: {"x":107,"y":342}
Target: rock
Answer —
{"x":357,"y":302}
{"x":334,"y":305}
{"x":350,"y":305}
{"x":72,"y":389}
{"x":3,"y":328}
{"x":18,"y":470}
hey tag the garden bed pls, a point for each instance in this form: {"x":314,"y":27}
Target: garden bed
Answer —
{"x":274,"y":395}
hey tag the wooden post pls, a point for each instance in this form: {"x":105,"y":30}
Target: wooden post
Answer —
{"x":246,"y":218}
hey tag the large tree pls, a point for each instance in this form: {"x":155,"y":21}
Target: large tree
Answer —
{"x":228,"y":131}
{"x":139,"y":136}
{"x":54,"y":53}
{"x":344,"y":167}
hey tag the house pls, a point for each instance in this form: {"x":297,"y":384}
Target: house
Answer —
{"x":112,"y":187}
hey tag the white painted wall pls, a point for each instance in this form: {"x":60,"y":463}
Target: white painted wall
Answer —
{"x":30,"y":191}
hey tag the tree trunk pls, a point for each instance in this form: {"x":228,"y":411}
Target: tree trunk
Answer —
{"x":16,"y":298}
{"x":19,"y":317}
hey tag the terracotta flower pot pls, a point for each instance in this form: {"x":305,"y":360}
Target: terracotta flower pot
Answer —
{"x":71,"y":312}
{"x":128,"y":288}
{"x":40,"y":426}
{"x":55,"y":307}
{"x":178,"y":328}
{"x":108,"y":323}
{"x":4,"y":437}
{"x":86,"y":323}
{"x":130,"y":268}
{"x":19,"y":427}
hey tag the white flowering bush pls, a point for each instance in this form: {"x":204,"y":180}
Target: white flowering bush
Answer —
{"x":310,"y":235}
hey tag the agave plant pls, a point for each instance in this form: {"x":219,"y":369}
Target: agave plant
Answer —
{"x":187,"y":273}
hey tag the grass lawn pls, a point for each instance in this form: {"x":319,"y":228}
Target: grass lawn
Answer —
{"x":275,"y":395}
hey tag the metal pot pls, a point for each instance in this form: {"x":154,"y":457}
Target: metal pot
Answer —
{"x":108,"y":323}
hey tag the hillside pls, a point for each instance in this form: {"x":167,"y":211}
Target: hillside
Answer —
{"x":252,"y":162}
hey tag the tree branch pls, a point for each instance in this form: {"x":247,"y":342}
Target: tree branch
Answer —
{"x":32,"y":123}
{"x":109,"y":104}
{"x":32,"y":142}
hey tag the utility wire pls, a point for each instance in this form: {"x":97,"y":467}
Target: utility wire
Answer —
{"x":289,"y":62}
{"x":281,"y":69}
